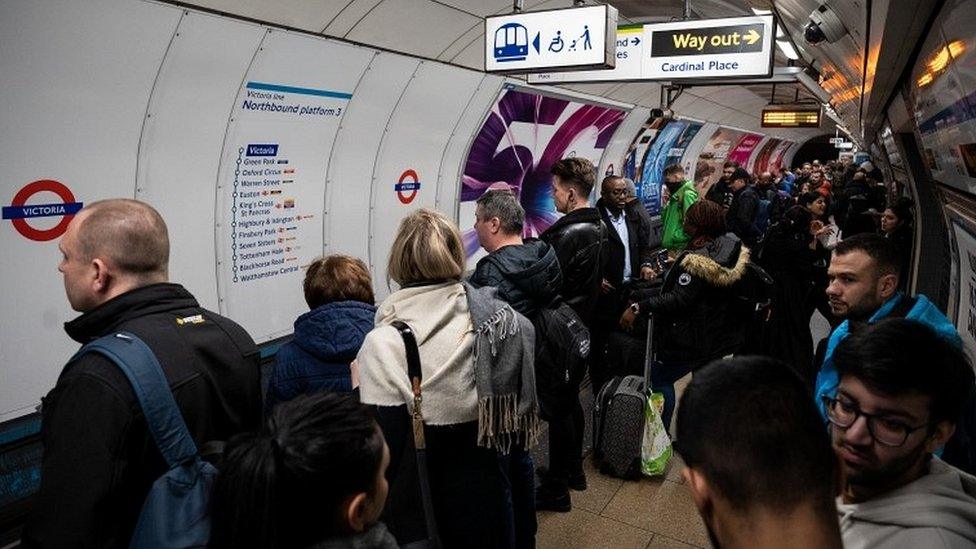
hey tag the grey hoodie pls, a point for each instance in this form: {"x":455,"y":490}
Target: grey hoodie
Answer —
{"x":936,"y":511}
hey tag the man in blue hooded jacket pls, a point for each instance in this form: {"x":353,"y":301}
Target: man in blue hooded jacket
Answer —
{"x":864,"y":273}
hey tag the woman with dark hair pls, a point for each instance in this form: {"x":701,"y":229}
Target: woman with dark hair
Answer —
{"x":339,"y":293}
{"x":314,"y":477}
{"x":788,"y":255}
{"x":897,"y":226}
{"x":699,"y":316}
{"x":826,"y":237}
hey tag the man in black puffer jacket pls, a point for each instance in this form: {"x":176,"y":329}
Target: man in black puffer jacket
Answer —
{"x":525,"y":272}
{"x":99,"y":457}
{"x":700,"y":314}
{"x":578,"y":239}
{"x":527,"y":277}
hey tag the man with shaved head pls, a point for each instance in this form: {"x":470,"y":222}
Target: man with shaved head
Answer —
{"x":99,"y":457}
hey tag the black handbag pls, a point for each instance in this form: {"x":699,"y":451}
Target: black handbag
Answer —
{"x":418,"y":441}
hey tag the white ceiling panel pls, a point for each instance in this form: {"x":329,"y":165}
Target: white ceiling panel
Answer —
{"x":351,"y":15}
{"x":405,"y":25}
{"x":300,"y":14}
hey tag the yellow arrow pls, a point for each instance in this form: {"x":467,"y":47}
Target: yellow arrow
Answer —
{"x":752,"y":37}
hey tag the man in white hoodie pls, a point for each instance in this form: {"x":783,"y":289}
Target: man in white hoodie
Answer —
{"x":901,"y":389}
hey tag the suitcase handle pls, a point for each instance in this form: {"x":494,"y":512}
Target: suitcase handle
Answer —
{"x":649,"y":353}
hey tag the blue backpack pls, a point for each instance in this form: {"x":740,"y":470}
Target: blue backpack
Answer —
{"x":176,"y":512}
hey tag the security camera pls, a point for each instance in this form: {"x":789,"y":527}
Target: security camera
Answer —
{"x":824,"y":25}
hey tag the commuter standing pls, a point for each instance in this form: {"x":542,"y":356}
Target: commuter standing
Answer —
{"x":478,"y":389}
{"x":682,"y":195}
{"x":757,"y":461}
{"x":339,"y":292}
{"x":314,"y":477}
{"x":527,"y":277}
{"x":721,"y":192}
{"x":887,"y":420}
{"x":741,"y":215}
{"x":626,"y":258}
{"x":578,"y":239}
{"x":634,"y":207}
{"x":700,"y":314}
{"x":99,"y":457}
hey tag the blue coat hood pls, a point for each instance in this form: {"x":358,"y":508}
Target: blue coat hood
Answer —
{"x":327,"y":339}
{"x":923,"y":311}
{"x":335,"y":331}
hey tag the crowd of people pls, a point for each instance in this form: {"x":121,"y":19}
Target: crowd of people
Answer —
{"x":410,"y":422}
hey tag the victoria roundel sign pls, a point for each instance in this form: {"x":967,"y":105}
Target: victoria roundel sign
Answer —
{"x":20,"y":212}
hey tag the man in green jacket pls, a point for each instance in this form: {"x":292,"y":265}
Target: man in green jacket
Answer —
{"x":682,"y":196}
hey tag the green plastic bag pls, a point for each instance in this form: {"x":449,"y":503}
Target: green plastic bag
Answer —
{"x":656,"y":445}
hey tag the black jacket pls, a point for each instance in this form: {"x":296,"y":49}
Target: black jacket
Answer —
{"x":741,"y":217}
{"x":720,"y":193}
{"x":637,"y":241}
{"x":699,"y":314}
{"x":527,"y":277}
{"x":99,"y":458}
{"x":578,"y":239}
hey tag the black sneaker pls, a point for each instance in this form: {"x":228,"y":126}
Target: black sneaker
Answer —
{"x":577,"y":481}
{"x":549,"y":499}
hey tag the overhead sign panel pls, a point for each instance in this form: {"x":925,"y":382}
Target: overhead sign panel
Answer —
{"x":733,"y":47}
{"x":629,"y":50}
{"x":554,"y":40}
{"x":791,"y":118}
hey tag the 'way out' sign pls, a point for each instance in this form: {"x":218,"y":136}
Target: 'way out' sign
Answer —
{"x":732,"y":47}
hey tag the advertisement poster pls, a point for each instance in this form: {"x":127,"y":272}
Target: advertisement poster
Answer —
{"x":524,"y":134}
{"x":743,"y":149}
{"x":966,"y":284}
{"x":943,"y":97}
{"x":761,"y":163}
{"x":777,"y":159}
{"x":713,"y":155}
{"x":634,"y":161}
{"x":651,"y":177}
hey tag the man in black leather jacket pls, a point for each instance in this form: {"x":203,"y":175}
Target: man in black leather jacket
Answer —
{"x":99,"y":458}
{"x":578,"y":238}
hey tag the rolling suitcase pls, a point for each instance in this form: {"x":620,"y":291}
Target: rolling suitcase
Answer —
{"x":618,"y":418}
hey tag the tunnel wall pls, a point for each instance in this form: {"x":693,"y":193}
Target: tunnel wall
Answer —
{"x":261,"y":147}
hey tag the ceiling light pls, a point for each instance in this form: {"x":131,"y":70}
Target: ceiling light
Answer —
{"x":787,"y":48}
{"x":758,"y":11}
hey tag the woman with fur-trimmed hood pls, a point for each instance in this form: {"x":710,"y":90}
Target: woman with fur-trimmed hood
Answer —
{"x":699,"y":314}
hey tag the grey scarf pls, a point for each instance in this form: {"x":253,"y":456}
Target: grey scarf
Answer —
{"x":504,"y":365}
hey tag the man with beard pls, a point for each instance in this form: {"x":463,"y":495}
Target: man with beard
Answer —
{"x":886,"y":421}
{"x":721,"y":192}
{"x":864,"y":274}
{"x":758,"y":463}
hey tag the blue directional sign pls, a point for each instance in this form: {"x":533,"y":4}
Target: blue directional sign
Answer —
{"x":564,"y":39}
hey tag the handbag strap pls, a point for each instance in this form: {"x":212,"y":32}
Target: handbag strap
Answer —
{"x":417,"y":419}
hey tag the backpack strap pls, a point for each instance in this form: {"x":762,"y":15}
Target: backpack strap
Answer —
{"x":140,"y":366}
{"x":419,"y":443}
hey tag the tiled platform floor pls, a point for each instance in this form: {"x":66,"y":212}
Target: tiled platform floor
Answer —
{"x":650,"y":513}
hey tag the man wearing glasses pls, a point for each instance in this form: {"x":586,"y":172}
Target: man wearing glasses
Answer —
{"x":886,"y":421}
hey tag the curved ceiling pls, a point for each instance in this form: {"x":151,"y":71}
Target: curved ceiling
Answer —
{"x":452,"y":31}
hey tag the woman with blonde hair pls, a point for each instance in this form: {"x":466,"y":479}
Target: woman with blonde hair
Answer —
{"x":478,"y":388}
